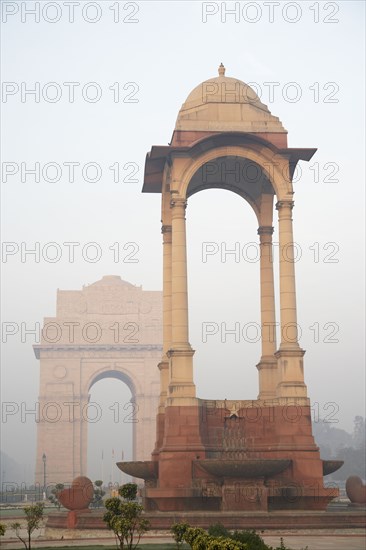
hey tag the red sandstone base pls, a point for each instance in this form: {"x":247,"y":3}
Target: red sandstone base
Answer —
{"x":231,"y":520}
{"x":213,"y":458}
{"x":71,"y":519}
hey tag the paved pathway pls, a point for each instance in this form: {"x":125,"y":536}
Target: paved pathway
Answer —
{"x":320,"y":542}
{"x":354,"y":540}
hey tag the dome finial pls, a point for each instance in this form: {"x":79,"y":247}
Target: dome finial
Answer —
{"x":222,"y":70}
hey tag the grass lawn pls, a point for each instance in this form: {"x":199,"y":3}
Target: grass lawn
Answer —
{"x":157,"y":546}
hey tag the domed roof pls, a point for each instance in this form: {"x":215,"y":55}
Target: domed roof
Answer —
{"x":223,"y":103}
{"x":111,"y":280}
{"x":223,"y":89}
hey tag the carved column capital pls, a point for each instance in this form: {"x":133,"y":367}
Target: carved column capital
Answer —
{"x":281,"y":205}
{"x":265,"y":230}
{"x":178,"y":202}
{"x":166,"y":229}
{"x":178,"y":207}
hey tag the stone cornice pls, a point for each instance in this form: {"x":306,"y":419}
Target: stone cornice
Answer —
{"x":94,"y":348}
{"x":289,"y":352}
{"x":159,"y":155}
{"x":189,"y":352}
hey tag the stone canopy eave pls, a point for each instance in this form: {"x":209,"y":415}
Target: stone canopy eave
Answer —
{"x":160,"y":155}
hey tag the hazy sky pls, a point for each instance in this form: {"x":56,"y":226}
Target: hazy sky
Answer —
{"x":132,"y":64}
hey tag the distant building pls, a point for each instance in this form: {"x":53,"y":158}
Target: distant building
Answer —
{"x":109,"y":329}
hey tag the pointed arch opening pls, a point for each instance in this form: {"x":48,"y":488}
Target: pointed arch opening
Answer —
{"x":223,"y":293}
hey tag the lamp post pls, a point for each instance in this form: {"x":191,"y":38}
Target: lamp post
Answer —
{"x":44,"y":459}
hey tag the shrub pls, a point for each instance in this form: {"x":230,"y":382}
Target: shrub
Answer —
{"x":123,"y":517}
{"x":179,"y":530}
{"x":199,"y":539}
{"x":98,"y":493}
{"x":251,"y":538}
{"x":33,"y":518}
{"x":218,"y":530}
{"x":192,"y":533}
{"x":54,"y":494}
{"x":128,"y":491}
{"x":221,"y":543}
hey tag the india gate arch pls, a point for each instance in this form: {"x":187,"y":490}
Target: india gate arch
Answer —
{"x":110,"y":328}
{"x":207,"y":453}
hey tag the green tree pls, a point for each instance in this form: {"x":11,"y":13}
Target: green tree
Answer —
{"x":359,"y":432}
{"x":354,"y":463}
{"x":123,"y":517}
{"x":179,"y":530}
{"x":33,"y":518}
{"x":329,"y":438}
{"x":2,"y":530}
{"x":54,"y":494}
{"x":128,"y":491}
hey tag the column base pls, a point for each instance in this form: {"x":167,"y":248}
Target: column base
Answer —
{"x":181,"y":389}
{"x":163,"y":367}
{"x":291,"y":374}
{"x":181,"y":401}
{"x":268,"y":377}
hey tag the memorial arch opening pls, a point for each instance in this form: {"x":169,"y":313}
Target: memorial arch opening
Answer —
{"x":111,"y":429}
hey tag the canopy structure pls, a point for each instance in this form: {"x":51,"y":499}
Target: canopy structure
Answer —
{"x":208,"y":452}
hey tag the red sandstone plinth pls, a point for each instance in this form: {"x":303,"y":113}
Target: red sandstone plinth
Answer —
{"x":260,"y":460}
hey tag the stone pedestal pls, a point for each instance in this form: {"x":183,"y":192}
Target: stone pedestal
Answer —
{"x":248,"y":456}
{"x":73,"y":517}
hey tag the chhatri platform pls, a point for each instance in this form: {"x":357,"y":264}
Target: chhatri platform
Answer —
{"x":334,"y":518}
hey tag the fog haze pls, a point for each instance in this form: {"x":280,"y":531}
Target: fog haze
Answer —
{"x":166,"y":53}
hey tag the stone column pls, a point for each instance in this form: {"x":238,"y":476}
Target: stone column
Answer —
{"x":167,"y":314}
{"x":267,"y":366}
{"x":179,"y":275}
{"x":181,"y":384}
{"x":82,"y":423}
{"x":291,"y":375}
{"x":289,"y":336}
{"x":163,"y":366}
